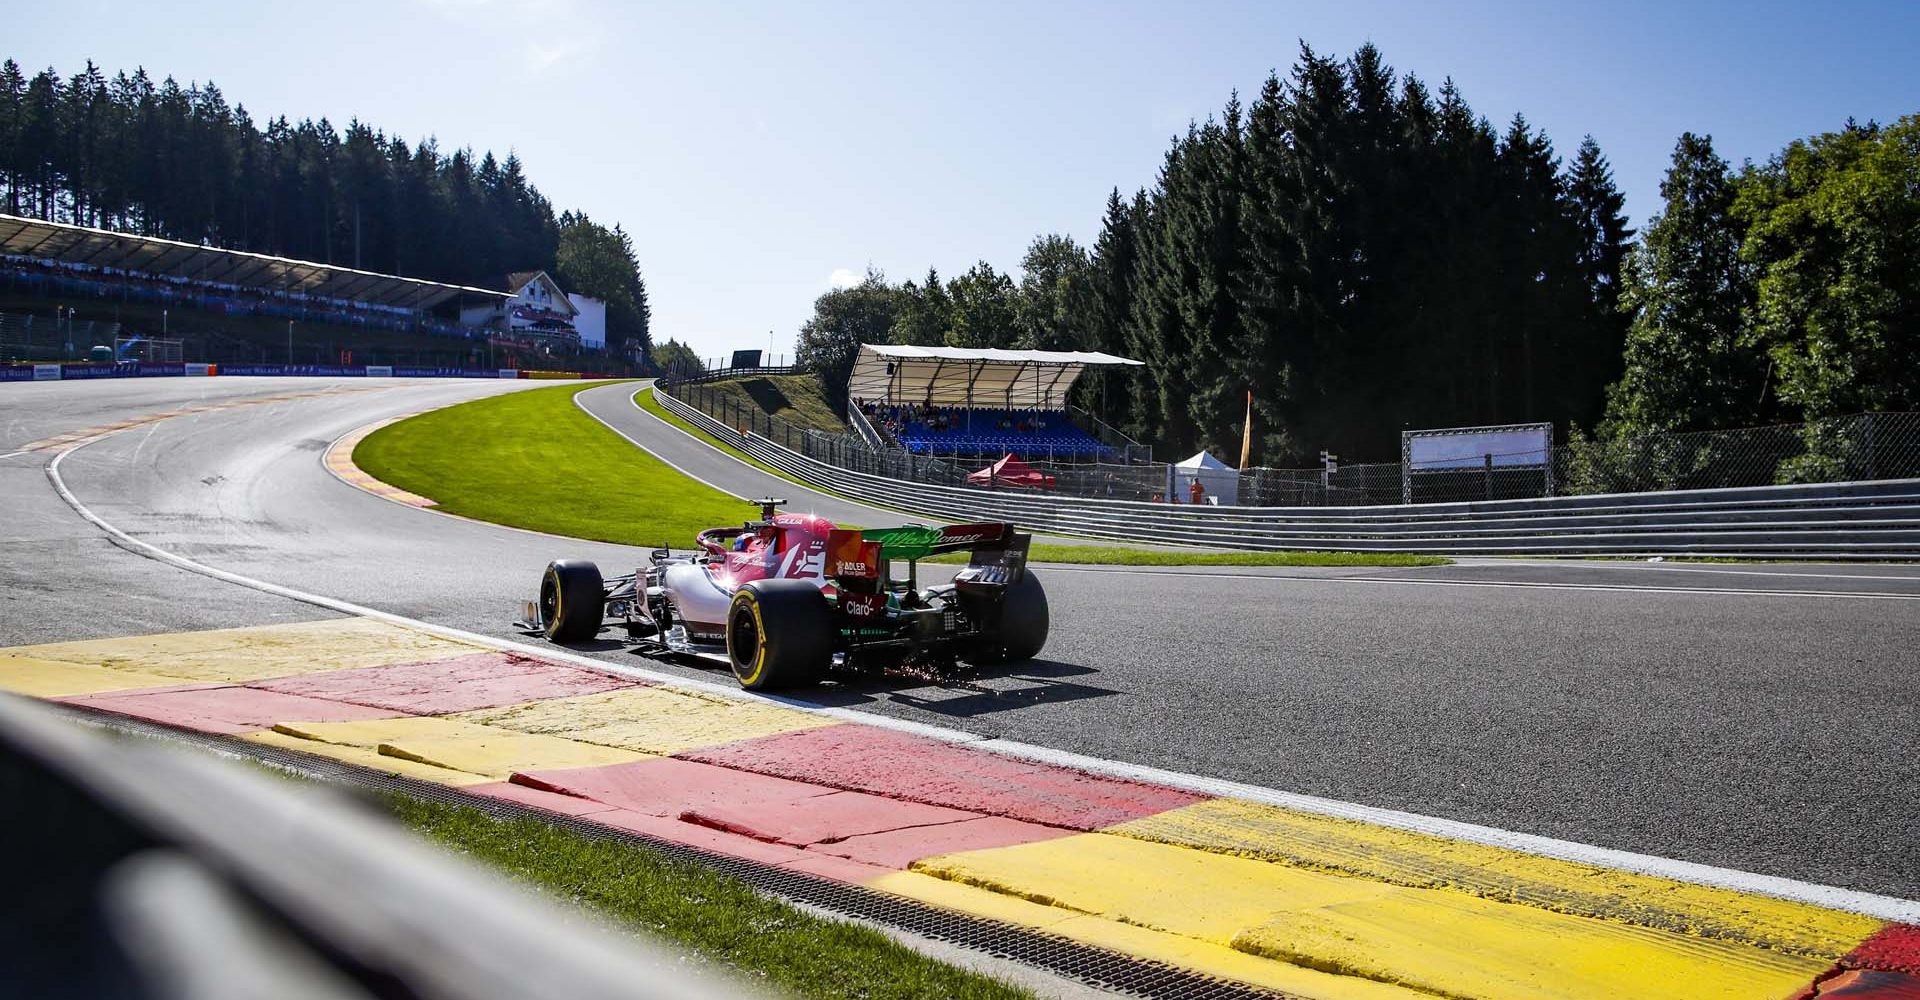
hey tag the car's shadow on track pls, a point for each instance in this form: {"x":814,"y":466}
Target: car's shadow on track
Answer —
{"x":962,"y":692}
{"x":968,"y":692}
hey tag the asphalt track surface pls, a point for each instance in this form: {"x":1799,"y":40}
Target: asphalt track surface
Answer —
{"x":1757,"y":717}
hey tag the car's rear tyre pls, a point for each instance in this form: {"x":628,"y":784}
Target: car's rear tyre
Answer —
{"x":573,"y":597}
{"x":1021,"y":628}
{"x":779,"y":634}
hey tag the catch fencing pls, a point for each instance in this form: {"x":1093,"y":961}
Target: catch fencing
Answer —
{"x":1849,"y":520}
{"x":1864,"y":447}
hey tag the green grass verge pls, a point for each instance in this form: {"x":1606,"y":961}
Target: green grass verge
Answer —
{"x":532,"y":459}
{"x":720,"y":917}
{"x":796,"y":399}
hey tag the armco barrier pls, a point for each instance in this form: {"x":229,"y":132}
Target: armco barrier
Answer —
{"x":1874,"y":520}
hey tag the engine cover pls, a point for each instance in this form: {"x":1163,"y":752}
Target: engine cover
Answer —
{"x":697,"y":600}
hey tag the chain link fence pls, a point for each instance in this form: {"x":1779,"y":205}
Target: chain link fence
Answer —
{"x":1864,"y":447}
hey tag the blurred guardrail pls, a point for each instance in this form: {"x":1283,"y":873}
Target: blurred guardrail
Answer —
{"x":136,"y":869}
{"x":1855,"y":520}
{"x":717,"y":374}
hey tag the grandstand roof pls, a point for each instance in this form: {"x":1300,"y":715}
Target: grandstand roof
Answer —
{"x":69,"y":244}
{"x":959,"y":376}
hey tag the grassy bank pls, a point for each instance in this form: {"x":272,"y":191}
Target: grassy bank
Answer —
{"x":644,"y":399}
{"x":796,"y":399}
{"x":533,"y":459}
{"x":721,"y":918}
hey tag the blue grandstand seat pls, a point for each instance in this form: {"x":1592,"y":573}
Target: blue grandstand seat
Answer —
{"x":1029,"y":434}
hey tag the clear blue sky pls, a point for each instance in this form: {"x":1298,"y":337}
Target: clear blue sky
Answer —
{"x":754,"y":152}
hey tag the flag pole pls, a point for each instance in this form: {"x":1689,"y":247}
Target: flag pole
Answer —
{"x":1246,"y":435}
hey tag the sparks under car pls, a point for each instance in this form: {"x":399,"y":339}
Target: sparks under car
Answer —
{"x":789,"y":598}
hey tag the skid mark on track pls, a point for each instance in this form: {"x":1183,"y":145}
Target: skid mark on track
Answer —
{"x":90,"y":434}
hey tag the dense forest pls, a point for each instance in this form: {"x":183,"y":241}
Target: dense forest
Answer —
{"x":1365,"y":254}
{"x":179,"y":162}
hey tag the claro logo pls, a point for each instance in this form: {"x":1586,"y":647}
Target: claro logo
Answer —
{"x":863,"y":605}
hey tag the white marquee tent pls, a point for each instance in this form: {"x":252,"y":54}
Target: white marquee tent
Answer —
{"x":958,"y":376}
{"x":1220,"y":480}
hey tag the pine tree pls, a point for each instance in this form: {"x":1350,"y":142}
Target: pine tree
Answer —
{"x":1688,"y":292}
{"x":1112,"y":267}
{"x":1600,"y":223}
{"x":13,"y":146}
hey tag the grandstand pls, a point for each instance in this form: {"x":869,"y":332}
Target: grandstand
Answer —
{"x":968,"y":404}
{"x":66,"y":288}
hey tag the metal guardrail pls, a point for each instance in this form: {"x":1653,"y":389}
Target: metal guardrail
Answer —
{"x":1872,"y":520}
{"x":138,"y":869}
{"x":717,"y":374}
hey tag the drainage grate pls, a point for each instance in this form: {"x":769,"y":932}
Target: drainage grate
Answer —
{"x":1093,"y":966}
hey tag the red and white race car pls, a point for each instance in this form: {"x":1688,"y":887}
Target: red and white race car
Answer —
{"x":790,"y":597}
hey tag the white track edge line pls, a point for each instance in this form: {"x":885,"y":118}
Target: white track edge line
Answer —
{"x":662,"y":459}
{"x":815,"y":490}
{"x":1833,"y":897}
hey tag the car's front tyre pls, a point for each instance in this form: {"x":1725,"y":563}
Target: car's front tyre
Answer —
{"x":779,"y":634}
{"x":573,"y":599}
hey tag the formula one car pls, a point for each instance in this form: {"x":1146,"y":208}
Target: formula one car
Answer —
{"x":789,"y":598}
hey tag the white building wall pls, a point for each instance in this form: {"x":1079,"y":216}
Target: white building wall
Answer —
{"x":592,"y":321}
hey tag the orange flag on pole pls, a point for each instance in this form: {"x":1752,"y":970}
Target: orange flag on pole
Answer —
{"x":1246,"y":436}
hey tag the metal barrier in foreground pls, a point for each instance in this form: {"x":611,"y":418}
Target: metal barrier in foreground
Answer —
{"x":139,"y":870}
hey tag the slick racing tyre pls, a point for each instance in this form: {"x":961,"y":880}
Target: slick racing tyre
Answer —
{"x":572,"y":599}
{"x":1021,"y":629}
{"x":779,"y":634}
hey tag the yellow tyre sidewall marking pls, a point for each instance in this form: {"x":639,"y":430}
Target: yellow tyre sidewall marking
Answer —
{"x":752,"y":603}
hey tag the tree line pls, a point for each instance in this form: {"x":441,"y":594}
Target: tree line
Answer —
{"x":1782,"y":291}
{"x":181,"y":163}
{"x":1365,"y":255}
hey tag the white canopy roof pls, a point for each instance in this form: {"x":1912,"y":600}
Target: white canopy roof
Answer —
{"x":1205,"y":461}
{"x":959,"y":376}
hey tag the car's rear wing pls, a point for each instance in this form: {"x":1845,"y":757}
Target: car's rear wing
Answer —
{"x":862,"y":555}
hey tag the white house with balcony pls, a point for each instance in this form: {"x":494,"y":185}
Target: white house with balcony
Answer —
{"x":537,"y":308}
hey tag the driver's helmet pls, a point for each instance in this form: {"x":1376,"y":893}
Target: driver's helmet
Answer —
{"x":740,"y":541}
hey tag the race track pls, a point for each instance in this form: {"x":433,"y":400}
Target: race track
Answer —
{"x":1762,"y":718}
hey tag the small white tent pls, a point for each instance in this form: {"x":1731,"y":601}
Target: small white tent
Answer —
{"x":1220,"y":480}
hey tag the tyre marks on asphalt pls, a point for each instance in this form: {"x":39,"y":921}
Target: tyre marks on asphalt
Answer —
{"x":1310,"y":905}
{"x":87,"y":434}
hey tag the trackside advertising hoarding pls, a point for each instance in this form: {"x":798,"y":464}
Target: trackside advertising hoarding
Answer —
{"x":139,"y":369}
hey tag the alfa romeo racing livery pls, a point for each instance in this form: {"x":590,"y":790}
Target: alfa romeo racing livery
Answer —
{"x":788,"y":598}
